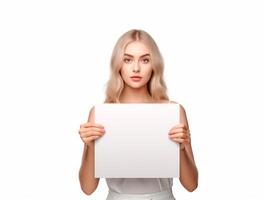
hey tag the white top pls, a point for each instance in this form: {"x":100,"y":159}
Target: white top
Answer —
{"x":139,"y":185}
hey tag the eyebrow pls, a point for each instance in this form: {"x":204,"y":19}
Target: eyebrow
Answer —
{"x":140,"y":56}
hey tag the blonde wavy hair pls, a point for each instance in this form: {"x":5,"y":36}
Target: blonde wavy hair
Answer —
{"x":156,"y":85}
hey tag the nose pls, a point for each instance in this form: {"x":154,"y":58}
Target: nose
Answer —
{"x":136,"y":67}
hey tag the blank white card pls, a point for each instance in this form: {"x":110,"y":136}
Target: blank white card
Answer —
{"x":136,"y":142}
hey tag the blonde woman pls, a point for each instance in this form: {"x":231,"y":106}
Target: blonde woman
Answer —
{"x":137,"y":77}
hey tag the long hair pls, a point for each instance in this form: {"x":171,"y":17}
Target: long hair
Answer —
{"x":156,"y":85}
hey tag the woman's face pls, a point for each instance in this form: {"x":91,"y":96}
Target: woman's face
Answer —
{"x":136,"y":62}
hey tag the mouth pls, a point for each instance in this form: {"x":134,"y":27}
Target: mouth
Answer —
{"x":136,"y":78}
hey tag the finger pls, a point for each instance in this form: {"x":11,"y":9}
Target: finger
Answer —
{"x":82,"y":130}
{"x":180,"y":125}
{"x":97,"y":129}
{"x":179,"y":140}
{"x":179,"y":135}
{"x":94,"y":137}
{"x":86,"y":125}
{"x":90,"y":139}
{"x":92,"y":124}
{"x":178,"y":130}
{"x":91,"y":134}
{"x":98,"y":125}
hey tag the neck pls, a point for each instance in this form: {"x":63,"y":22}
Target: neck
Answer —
{"x":135,"y":95}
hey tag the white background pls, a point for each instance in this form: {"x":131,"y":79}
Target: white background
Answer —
{"x":54,"y":59}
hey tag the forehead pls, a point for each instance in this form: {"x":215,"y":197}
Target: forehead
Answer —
{"x":137,"y":48}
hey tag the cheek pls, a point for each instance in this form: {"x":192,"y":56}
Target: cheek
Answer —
{"x":148,"y":72}
{"x":123,"y":72}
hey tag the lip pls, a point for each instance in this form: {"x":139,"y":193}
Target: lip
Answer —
{"x":136,"y":78}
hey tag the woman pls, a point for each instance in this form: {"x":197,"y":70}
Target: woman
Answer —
{"x":137,"y":77}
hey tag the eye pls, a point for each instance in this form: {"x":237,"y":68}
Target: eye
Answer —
{"x":127,"y":60}
{"x":145,"y":60}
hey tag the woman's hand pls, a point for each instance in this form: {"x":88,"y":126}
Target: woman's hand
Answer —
{"x":180,"y":134}
{"x":90,"y":131}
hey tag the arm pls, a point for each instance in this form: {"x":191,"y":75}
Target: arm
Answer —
{"x":188,"y":170}
{"x":86,"y":173}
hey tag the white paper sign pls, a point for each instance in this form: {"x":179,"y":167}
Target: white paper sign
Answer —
{"x":136,"y":142}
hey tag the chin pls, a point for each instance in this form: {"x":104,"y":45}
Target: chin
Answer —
{"x":135,"y":85}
